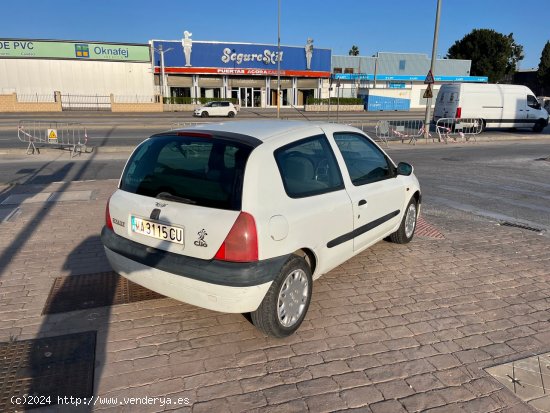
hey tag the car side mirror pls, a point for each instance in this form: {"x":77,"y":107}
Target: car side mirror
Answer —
{"x":403,"y":168}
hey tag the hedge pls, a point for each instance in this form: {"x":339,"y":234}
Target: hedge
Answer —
{"x":335,"y":101}
{"x":197,"y":101}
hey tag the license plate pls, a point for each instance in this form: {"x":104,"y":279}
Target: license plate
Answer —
{"x":156,"y":230}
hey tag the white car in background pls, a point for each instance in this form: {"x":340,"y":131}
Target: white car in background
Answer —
{"x":241,"y":217}
{"x":217,"y":108}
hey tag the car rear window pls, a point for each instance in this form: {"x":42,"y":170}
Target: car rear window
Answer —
{"x":205,"y":171}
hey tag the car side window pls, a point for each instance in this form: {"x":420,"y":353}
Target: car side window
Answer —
{"x":225,"y":104}
{"x":366,"y":163}
{"x":308,"y":167}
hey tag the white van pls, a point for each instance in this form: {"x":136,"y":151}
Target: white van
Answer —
{"x":499,"y":106}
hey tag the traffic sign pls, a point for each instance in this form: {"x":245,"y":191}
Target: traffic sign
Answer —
{"x":429,"y":78}
{"x":52,"y":134}
{"x":428,"y":94}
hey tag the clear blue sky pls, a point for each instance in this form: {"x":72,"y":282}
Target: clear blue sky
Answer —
{"x":391,"y":26}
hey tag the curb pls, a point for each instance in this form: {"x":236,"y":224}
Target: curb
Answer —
{"x":90,"y":150}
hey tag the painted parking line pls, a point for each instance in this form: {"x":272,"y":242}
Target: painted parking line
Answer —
{"x":427,"y":230}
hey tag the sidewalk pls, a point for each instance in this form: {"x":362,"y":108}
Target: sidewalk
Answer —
{"x":396,"y":329}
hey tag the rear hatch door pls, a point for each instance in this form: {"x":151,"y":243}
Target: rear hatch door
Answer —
{"x":446,"y":103}
{"x":181,"y":193}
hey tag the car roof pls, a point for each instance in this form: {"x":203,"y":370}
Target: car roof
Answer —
{"x":263,"y":130}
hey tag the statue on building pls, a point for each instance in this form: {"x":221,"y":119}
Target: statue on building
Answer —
{"x":187,"y":44}
{"x":309,"y":52}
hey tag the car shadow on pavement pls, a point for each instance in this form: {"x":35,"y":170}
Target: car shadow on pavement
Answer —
{"x":42,"y":364}
{"x":73,"y":367}
{"x":24,"y":235}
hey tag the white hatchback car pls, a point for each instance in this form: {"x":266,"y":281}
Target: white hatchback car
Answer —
{"x":218,"y":108}
{"x":242,"y":217}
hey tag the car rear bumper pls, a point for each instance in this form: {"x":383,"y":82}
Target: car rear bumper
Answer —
{"x":216,"y":285}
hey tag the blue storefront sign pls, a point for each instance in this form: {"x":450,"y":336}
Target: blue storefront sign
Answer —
{"x":384,"y":77}
{"x":396,"y":85}
{"x":241,"y":58}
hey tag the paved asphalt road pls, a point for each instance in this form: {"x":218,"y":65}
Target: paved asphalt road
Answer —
{"x":501,"y":181}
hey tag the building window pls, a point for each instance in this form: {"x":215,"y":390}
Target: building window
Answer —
{"x":337,"y":70}
{"x":402,"y":64}
{"x":180,"y":92}
{"x":348,"y":70}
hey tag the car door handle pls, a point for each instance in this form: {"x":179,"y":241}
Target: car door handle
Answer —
{"x":362,"y":202}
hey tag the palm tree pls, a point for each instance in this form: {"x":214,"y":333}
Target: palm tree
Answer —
{"x":354,"y":51}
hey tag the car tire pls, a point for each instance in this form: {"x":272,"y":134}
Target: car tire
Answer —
{"x":231,"y":114}
{"x":204,"y":114}
{"x":483,"y":126}
{"x":407,"y":227}
{"x":539,"y":126}
{"x":286,"y":302}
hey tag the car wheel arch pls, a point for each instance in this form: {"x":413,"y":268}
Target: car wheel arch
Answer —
{"x":416,"y":196}
{"x":309,"y":256}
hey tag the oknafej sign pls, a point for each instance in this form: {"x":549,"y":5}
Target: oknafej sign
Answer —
{"x":39,"y":49}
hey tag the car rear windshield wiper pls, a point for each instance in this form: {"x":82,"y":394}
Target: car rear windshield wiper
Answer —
{"x":169,"y":197}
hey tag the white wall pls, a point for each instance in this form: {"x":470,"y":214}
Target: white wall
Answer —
{"x":35,"y":76}
{"x":417,"y":101}
{"x":413,"y":92}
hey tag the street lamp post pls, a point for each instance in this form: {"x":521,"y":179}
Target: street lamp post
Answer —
{"x":161,"y":52}
{"x":278,"y":59}
{"x":432,"y":67}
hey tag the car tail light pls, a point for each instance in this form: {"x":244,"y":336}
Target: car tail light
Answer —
{"x":458,"y":112}
{"x":241,"y":244}
{"x":108,"y":220}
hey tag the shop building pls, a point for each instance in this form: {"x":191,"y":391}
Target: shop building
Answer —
{"x":395,"y":81}
{"x":243,"y":71}
{"x":84,"y":73}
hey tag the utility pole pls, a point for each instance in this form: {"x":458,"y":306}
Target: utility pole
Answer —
{"x":161,"y":52}
{"x":278,"y":59}
{"x":432,"y":67}
{"x":337,"y":99}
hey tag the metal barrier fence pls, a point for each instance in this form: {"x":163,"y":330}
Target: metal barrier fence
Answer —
{"x":181,"y":125}
{"x":136,"y":99}
{"x":399,"y":129}
{"x":461,"y":128}
{"x":52,"y":133}
{"x":85,"y":102}
{"x":35,"y":97}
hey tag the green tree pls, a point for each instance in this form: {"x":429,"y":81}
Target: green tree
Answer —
{"x":543,"y":74}
{"x":493,"y":54}
{"x":354,"y":51}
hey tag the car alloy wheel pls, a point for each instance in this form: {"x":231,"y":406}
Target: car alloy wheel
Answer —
{"x":410,"y":220}
{"x":292,"y":298}
{"x":285,"y":304}
{"x":405,"y":232}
